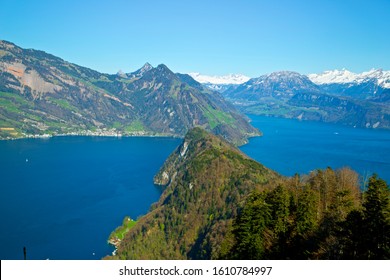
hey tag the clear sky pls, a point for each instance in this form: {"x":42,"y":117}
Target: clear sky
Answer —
{"x":211,"y":37}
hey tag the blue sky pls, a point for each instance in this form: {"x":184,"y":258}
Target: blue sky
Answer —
{"x":210,"y":37}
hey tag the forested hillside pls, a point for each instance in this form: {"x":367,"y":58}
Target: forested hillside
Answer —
{"x":220,"y":204}
{"x":324,"y":217}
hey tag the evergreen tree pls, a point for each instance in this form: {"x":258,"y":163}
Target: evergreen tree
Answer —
{"x":352,"y":237}
{"x":279,"y":200}
{"x":366,"y":234}
{"x":250,"y":228}
{"x":376,"y":211}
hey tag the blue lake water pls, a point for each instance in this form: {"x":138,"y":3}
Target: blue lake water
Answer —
{"x":61,"y":197}
{"x":63,"y":202}
{"x":292,"y":146}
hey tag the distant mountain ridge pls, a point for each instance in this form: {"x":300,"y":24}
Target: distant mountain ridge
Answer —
{"x":282,"y":84}
{"x":292,"y":95}
{"x":380,"y":77}
{"x":41,"y":94}
{"x":230,"y":79}
{"x":366,"y":85}
{"x":219,"y":83}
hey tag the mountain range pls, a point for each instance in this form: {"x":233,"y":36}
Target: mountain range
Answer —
{"x":359,"y":100}
{"x":219,"y":83}
{"x":377,"y":77}
{"x":41,"y":94}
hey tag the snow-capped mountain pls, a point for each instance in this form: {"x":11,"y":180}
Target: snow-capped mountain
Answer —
{"x":379,"y":77}
{"x":366,"y":85}
{"x":279,"y":85}
{"x":230,"y":79}
{"x":337,"y":96}
{"x":219,"y":83}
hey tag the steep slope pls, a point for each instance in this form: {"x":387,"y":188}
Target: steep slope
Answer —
{"x":205,"y":179}
{"x":43,"y":94}
{"x":291,"y":95}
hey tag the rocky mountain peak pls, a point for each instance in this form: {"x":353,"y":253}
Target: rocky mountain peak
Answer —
{"x":147,"y":66}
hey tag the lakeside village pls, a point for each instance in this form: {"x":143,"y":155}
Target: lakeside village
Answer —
{"x":9,"y":133}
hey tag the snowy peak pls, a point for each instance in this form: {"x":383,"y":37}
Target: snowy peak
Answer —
{"x":382,"y":78}
{"x":278,"y":85}
{"x":282,"y":76}
{"x":286,"y":79}
{"x":230,"y":79}
{"x":333,"y":77}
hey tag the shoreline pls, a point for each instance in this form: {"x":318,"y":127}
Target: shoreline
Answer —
{"x":90,"y":134}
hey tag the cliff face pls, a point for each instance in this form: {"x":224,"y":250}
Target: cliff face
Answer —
{"x":43,"y":94}
{"x":205,"y":179}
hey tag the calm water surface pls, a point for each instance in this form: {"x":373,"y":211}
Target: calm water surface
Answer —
{"x":292,"y":146}
{"x":61,"y":197}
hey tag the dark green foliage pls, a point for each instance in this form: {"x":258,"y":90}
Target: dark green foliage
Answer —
{"x":366,"y":233}
{"x":323,"y":219}
{"x":352,"y":237}
{"x":376,"y":210}
{"x":250,"y":227}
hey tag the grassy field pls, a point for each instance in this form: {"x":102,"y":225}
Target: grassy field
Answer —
{"x":120,"y":231}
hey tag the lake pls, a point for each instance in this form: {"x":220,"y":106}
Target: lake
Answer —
{"x":291,"y":146}
{"x":61,"y":197}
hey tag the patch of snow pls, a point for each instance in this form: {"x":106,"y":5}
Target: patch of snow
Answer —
{"x":344,"y":77}
{"x":230,"y":79}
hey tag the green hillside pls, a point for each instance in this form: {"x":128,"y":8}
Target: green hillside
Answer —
{"x":220,"y":204}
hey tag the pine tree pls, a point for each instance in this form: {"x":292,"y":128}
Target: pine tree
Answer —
{"x":251,"y":226}
{"x":376,"y":211}
{"x":352,"y":237}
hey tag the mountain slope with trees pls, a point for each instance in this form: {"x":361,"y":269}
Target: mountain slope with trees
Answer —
{"x":205,"y":181}
{"x":220,"y":204}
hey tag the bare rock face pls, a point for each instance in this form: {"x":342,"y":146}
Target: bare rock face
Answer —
{"x":29,"y":78}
